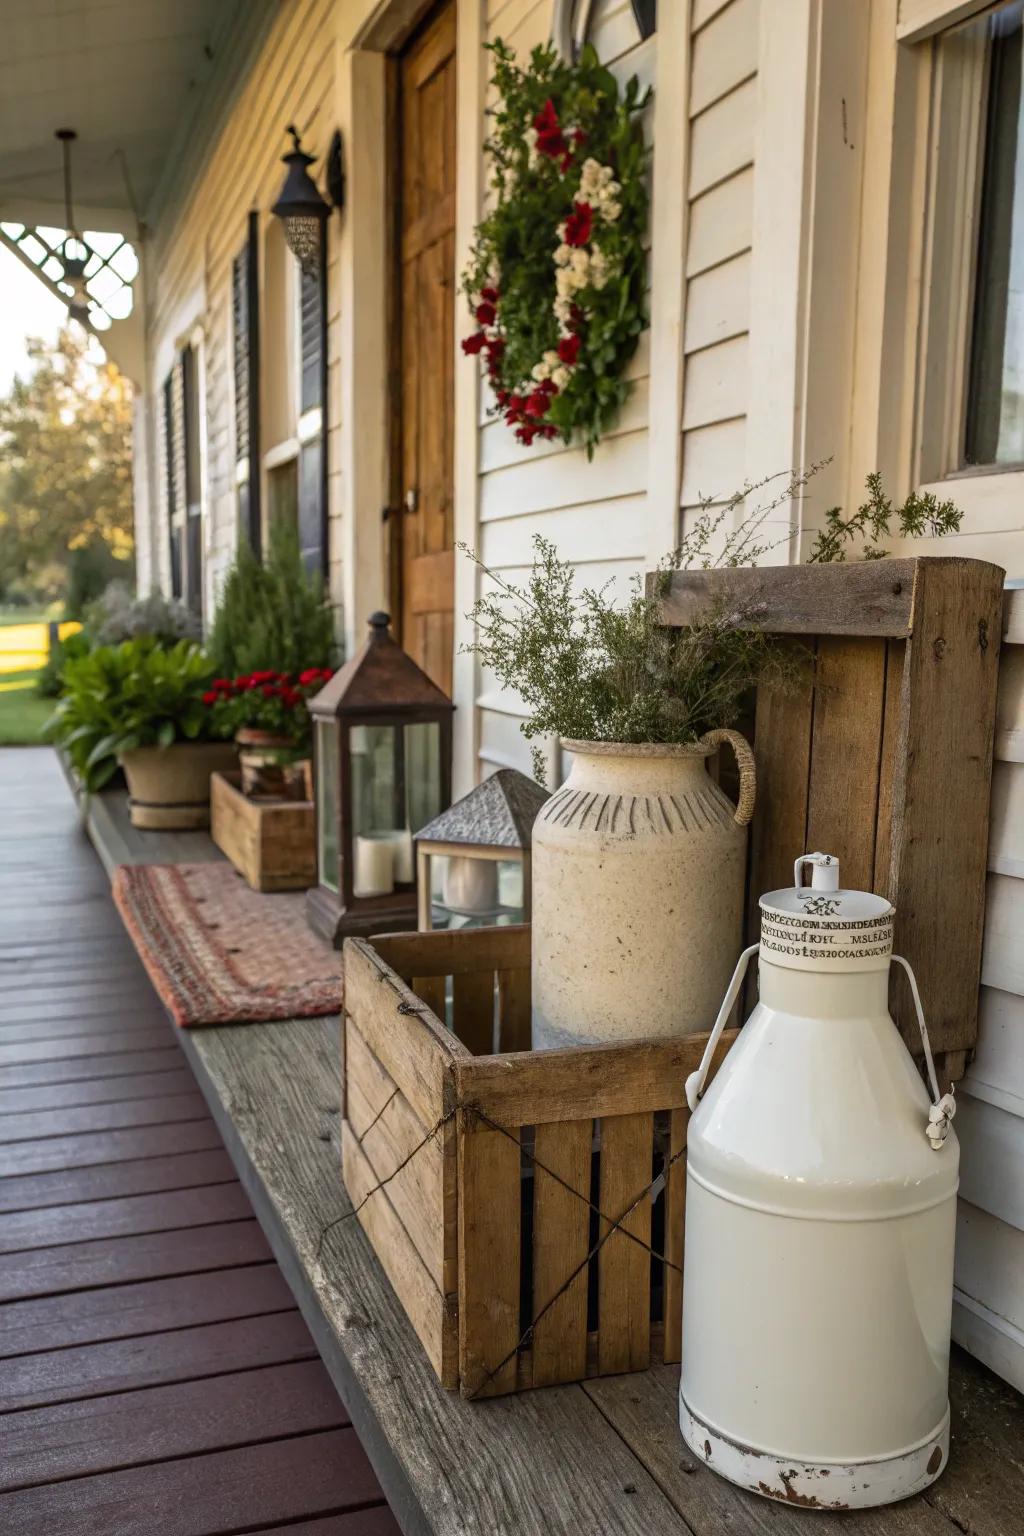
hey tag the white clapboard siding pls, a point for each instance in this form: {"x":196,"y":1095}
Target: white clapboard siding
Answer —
{"x":1010,"y":705}
{"x":1002,"y":963}
{"x":988,"y":1301}
{"x":721,"y":223}
{"x":722,"y":139}
{"x":991,"y":1157}
{"x":713,"y":461}
{"x":724,"y":54}
{"x":590,"y":532}
{"x":997,"y":1072}
{"x":715,"y":384}
{"x":618,"y":468}
{"x":703,"y":11}
{"x":718,"y":304}
{"x":988,"y":1312}
{"x":723,"y":105}
{"x":1006,"y":833}
{"x":594,"y":511}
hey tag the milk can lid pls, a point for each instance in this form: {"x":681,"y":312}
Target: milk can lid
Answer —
{"x":802,"y":926}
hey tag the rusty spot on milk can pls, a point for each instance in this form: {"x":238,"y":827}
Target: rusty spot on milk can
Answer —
{"x":790,"y":1495}
{"x":934,"y":1461}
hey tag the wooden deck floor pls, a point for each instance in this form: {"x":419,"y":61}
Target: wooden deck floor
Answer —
{"x":155,"y":1375}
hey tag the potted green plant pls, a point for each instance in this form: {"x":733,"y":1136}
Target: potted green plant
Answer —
{"x":639,"y":858}
{"x":265,"y":711}
{"x":151,"y":709}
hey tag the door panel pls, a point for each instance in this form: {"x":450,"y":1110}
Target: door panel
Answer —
{"x":426,"y":324}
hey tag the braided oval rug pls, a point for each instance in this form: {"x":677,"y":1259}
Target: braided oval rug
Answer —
{"x":220,"y":953}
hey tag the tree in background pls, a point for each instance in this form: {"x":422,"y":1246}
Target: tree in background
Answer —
{"x":65,"y":475}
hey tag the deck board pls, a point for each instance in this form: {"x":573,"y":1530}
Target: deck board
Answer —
{"x":155,"y":1374}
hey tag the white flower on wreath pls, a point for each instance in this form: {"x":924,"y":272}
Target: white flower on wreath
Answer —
{"x":530,"y":140}
{"x":563,"y":314}
{"x":560,"y":376}
{"x":599,"y":268}
{"x":563,"y":254}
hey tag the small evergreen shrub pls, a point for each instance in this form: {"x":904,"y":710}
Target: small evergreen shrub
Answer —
{"x":271,"y":617}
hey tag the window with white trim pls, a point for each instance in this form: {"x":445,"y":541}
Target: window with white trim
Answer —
{"x":969,"y":416}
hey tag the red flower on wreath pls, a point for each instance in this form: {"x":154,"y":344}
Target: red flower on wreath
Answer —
{"x":486,"y":312}
{"x":579,"y":226}
{"x":569,"y":349}
{"x":550,"y":139}
{"x":471,"y":345}
{"x":490,"y":294}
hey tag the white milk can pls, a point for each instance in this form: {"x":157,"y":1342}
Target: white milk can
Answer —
{"x":638,"y":866}
{"x":820,"y":1201}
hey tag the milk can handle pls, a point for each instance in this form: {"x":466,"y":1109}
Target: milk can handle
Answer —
{"x":746,"y":764}
{"x":943,"y":1105}
{"x":696,"y":1080}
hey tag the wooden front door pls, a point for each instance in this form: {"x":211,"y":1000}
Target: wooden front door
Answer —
{"x":426,"y":343}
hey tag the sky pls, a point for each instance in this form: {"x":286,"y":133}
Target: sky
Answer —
{"x":28,"y":309}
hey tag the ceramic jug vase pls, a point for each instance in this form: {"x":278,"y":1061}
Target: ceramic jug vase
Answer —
{"x":638,"y":868}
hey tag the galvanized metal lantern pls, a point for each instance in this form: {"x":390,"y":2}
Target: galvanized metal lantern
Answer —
{"x":473,"y":861}
{"x":820,"y":1205}
{"x":382,"y":765}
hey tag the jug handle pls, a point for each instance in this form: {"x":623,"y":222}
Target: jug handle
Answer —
{"x":745,"y":762}
{"x":943,"y":1106}
{"x":696,"y":1080}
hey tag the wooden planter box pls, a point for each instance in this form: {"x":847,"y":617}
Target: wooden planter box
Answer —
{"x":271,"y":842}
{"x":474,"y":1229}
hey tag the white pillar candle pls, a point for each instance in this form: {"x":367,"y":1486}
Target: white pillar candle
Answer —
{"x":470,"y":885}
{"x":401,"y":842}
{"x":375,"y":865}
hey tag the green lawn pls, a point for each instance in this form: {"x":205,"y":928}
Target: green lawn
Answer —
{"x":22,"y":714}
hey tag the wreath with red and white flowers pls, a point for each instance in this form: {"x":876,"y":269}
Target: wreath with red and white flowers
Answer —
{"x":557,"y":278}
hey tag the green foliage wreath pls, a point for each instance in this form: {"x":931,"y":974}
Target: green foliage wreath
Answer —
{"x":556,"y":282}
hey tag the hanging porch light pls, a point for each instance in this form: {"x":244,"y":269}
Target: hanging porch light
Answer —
{"x":73,"y":253}
{"x":300,"y":207}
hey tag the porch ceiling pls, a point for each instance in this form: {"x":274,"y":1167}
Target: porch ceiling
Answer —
{"x":125,"y":74}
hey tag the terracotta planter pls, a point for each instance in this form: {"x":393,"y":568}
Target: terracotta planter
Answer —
{"x":638,"y":871}
{"x":169,"y":787}
{"x":265,"y":760}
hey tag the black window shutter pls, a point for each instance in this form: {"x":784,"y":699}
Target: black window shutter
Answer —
{"x":245,"y":321}
{"x":174,"y":471}
{"x":312,"y":341}
{"x":313,"y":524}
{"x":192,"y":481}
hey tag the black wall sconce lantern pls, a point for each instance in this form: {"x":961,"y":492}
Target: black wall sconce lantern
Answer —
{"x":301,"y":207}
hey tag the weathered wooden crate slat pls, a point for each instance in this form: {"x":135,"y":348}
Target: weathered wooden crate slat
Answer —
{"x":885,"y":759}
{"x":496,"y":1243}
{"x":272,"y":843}
{"x":508,"y":1194}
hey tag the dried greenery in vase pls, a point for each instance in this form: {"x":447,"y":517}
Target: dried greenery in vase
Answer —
{"x":588,"y":668}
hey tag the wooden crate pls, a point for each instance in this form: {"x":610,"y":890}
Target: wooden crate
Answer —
{"x":885,"y":759}
{"x":480,"y":1225}
{"x":271,"y":842}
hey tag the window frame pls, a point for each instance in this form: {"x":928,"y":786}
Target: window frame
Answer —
{"x":950,"y":156}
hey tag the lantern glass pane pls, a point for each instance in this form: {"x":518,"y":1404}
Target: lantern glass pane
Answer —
{"x":423,"y":773}
{"x":381,"y":839}
{"x":470,"y":891}
{"x":327,"y":803}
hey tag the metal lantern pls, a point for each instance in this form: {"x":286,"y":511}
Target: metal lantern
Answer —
{"x":73,"y":254}
{"x":300,"y":206}
{"x":473,"y":861}
{"x":820,"y":1209}
{"x":382,"y":734}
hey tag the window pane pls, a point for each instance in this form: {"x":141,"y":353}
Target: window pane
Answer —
{"x":327,"y":802}
{"x":995,"y":407}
